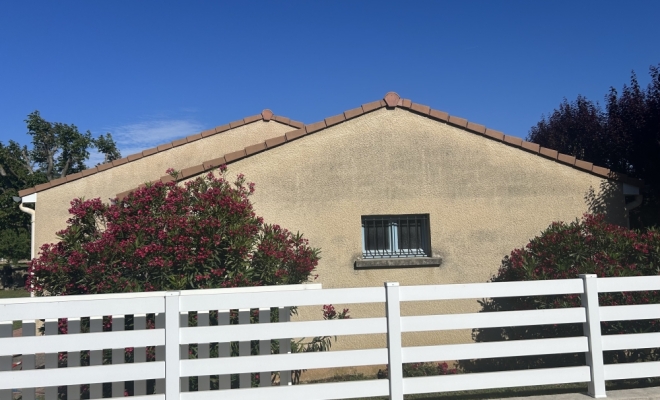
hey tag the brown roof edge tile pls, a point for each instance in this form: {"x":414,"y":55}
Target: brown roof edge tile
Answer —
{"x":317,"y":126}
{"x":149,"y":152}
{"x":90,"y":171}
{"x":295,"y":134}
{"x":253,"y":118}
{"x":566,"y":159}
{"x":167,"y":178}
{"x":194,"y":137}
{"x":477,"y":128}
{"x":236,"y":124}
{"x":236,"y":155}
{"x":529,"y":146}
{"x":26,"y":192}
{"x":255,"y":148}
{"x":391,"y":99}
{"x":164,"y":146}
{"x":420,"y":108}
{"x":43,"y":186}
{"x":335,"y":119}
{"x":439,"y":115}
{"x":179,"y":142}
{"x":72,"y":177}
{"x":296,"y":124}
{"x":208,"y":132}
{"x":216,"y":162}
{"x":103,"y":167}
{"x":516,"y":141}
{"x":266,"y":115}
{"x":135,"y":156}
{"x":353,"y":113}
{"x":458,"y":121}
{"x":281,"y":119}
{"x":405,"y":103}
{"x":276,"y":141}
{"x":122,"y":195}
{"x":493,"y":134}
{"x":549,"y":153}
{"x":601,"y":171}
{"x":192,"y":171}
{"x":584,"y":165}
{"x":121,"y":161}
{"x":374,"y":105}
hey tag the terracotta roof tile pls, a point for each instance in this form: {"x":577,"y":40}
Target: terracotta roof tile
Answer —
{"x":72,"y":177}
{"x":440,"y":115}
{"x":193,"y":138}
{"x":236,"y":155}
{"x":566,"y":159}
{"x":188,"y":172}
{"x":26,"y":192}
{"x":43,"y":186}
{"x":133,"y":157}
{"x":252,"y":118}
{"x":236,"y":124}
{"x":391,"y":99}
{"x":600,"y":171}
{"x":295,"y":134}
{"x":335,"y":120}
{"x":119,"y":162}
{"x":58,"y":181}
{"x":311,"y":128}
{"x":167,"y":178}
{"x":266,"y":115}
{"x":533,"y":147}
{"x":208,"y":132}
{"x":406,"y":103}
{"x":516,"y":141}
{"x":296,"y":124}
{"x":222,"y":128}
{"x":149,"y":152}
{"x":549,"y":153}
{"x":585,"y":165}
{"x":353,"y":113}
{"x":180,"y":142}
{"x":90,"y":171}
{"x":122,"y":195}
{"x":374,"y":105}
{"x":492,"y":133}
{"x":283,"y":120}
{"x":420,"y":108}
{"x":216,"y":162}
{"x":458,"y":121}
{"x":276,"y":141}
{"x":103,"y":167}
{"x":255,"y":148}
{"x":471,"y":126}
{"x":165,"y":146}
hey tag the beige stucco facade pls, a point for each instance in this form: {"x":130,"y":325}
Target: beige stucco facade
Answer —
{"x":484,"y":199}
{"x":53,"y":204}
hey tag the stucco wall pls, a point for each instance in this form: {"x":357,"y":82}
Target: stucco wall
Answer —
{"x":52,"y":204}
{"x":484,"y":199}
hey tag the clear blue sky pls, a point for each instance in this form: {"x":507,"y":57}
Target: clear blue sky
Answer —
{"x":150,"y":72}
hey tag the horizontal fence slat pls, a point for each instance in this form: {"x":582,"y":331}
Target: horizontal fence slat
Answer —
{"x":632,"y":370}
{"x":251,"y":289}
{"x":491,"y":289}
{"x":512,"y":348}
{"x":282,"y":299}
{"x":84,"y":341}
{"x":81,"y":375}
{"x":88,"y":307}
{"x":631,"y":341}
{"x":492,"y":319}
{"x":279,"y":362}
{"x":234,"y":333}
{"x":338,"y":390}
{"x":628,"y":313}
{"x":628,"y":284}
{"x":493,"y":380}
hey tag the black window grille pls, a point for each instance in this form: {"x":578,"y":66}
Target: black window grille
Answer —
{"x":396,"y":236}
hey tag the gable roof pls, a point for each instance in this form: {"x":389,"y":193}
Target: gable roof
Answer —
{"x":266,"y":115}
{"x":391,"y":101}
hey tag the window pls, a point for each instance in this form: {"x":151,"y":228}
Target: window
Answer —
{"x":389,"y":236}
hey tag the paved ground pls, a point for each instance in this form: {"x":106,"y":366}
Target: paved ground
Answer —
{"x":632,"y":394}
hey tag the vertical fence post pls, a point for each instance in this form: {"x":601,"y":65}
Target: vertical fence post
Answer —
{"x":264,"y":347}
{"x":224,"y":349}
{"x":28,"y":360}
{"x":73,"y":358}
{"x":203,"y":350}
{"x":395,"y":365}
{"x":96,"y":356}
{"x":160,"y":352}
{"x":139,"y":354}
{"x":592,"y":332}
{"x":172,"y":367}
{"x":184,"y":350}
{"x":118,"y":355}
{"x":50,"y":359}
{"x":6,"y":361}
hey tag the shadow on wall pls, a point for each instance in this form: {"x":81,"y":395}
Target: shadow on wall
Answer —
{"x":609,"y":201}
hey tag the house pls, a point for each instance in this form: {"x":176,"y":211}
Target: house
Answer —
{"x":390,"y":191}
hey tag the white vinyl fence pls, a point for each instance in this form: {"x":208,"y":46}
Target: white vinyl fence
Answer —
{"x":173,"y":335}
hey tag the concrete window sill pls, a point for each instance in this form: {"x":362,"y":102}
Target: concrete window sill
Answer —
{"x":412,"y":262}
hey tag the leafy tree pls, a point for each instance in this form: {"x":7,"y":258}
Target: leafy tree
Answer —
{"x":624,"y":137}
{"x":202,"y":234}
{"x":57,"y":150}
{"x":563,"y":251}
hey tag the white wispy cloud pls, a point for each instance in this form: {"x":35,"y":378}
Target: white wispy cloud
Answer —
{"x":133,"y":138}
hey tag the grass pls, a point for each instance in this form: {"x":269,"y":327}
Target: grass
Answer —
{"x":12,"y":294}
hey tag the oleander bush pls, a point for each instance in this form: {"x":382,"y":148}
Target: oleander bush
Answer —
{"x":563,"y":251}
